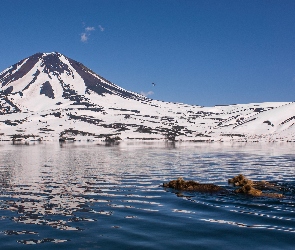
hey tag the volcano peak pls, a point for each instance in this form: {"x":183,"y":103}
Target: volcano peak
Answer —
{"x":56,"y":76}
{"x":50,"y":96}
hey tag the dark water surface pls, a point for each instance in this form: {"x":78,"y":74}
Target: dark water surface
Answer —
{"x":89,"y":196}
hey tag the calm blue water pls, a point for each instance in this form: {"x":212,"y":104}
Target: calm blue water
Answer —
{"x":89,"y":196}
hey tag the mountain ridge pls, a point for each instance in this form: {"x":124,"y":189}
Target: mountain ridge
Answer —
{"x":49,"y":96}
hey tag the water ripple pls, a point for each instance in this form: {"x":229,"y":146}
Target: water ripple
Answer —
{"x":90,"y":196}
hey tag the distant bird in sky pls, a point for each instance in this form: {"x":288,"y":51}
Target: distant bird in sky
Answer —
{"x":154,"y":84}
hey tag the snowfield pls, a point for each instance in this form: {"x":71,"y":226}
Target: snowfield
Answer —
{"x":49,"y":97}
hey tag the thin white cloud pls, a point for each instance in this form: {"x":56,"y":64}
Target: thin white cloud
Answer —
{"x":101,"y":28}
{"x":88,"y":29}
{"x":84,"y":37}
{"x":146,"y":94}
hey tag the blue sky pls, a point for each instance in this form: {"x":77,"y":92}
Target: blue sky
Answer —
{"x":202,"y":52}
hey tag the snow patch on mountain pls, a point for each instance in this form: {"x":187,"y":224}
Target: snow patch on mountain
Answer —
{"x":52,"y":97}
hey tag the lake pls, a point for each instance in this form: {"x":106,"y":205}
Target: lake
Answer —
{"x":92,"y":196}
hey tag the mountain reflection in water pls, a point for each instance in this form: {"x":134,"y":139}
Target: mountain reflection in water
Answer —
{"x":76,"y":195}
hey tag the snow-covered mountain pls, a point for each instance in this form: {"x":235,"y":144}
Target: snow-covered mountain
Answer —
{"x":49,"y":96}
